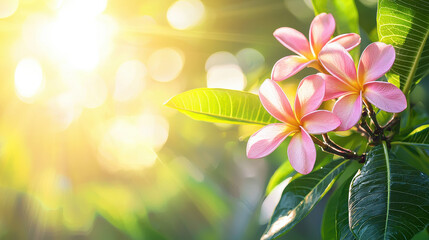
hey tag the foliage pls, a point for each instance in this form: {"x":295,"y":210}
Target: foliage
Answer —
{"x":405,"y":25}
{"x":388,"y":196}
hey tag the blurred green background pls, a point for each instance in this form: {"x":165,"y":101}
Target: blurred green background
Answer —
{"x":87,"y":149}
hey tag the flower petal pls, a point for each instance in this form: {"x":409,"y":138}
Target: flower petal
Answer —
{"x":385,"y":96}
{"x":348,"y":40}
{"x":294,"y":41}
{"x":338,"y":62}
{"x":266,"y":140}
{"x":275,"y":102}
{"x":334,"y":88}
{"x":375,"y":61}
{"x":302,"y":152}
{"x":321,"y":29}
{"x":319,"y":122}
{"x":349,"y":110}
{"x":289,"y":66}
{"x":309,"y":95}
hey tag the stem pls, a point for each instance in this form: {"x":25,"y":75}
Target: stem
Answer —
{"x":392,"y":122}
{"x":373,"y":117}
{"x":363,"y":130}
{"x":368,"y":130}
{"x":333,"y":144}
{"x":326,"y":148}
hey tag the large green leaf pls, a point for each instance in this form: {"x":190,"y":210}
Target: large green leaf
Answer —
{"x":222,"y":105}
{"x":335,"y":223}
{"x":300,"y":196}
{"x":388,"y":198}
{"x":405,"y":25}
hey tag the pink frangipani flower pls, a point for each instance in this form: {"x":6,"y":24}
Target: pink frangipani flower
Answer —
{"x":301,"y":121}
{"x":352,"y":87}
{"x":321,"y":30}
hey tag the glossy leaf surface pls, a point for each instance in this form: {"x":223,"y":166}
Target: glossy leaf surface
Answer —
{"x":222,"y":105}
{"x":300,"y":196}
{"x":388,"y":198}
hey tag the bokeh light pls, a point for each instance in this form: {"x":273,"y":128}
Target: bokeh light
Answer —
{"x":223,"y":71}
{"x":130,"y":80}
{"x":185,"y":14}
{"x":8,"y":7}
{"x":165,"y":64}
{"x":250,"y":59}
{"x":28,"y":78}
{"x":129,"y":142}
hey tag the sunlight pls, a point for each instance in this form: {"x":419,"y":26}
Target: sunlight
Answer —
{"x":125,"y":145}
{"x":8,"y":7}
{"x":165,"y":64}
{"x":80,"y":42}
{"x":185,"y":14}
{"x":130,"y":80}
{"x":28,"y":79}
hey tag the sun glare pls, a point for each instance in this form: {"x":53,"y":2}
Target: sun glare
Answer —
{"x":8,"y":7}
{"x":29,"y":79}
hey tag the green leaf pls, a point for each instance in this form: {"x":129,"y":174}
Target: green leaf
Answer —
{"x":222,"y":105}
{"x":335,"y":223}
{"x":418,"y":137}
{"x":300,"y":196}
{"x":405,"y":25}
{"x":388,"y":198}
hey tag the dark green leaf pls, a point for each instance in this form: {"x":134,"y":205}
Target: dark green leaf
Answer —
{"x":412,"y":118}
{"x":419,"y":137}
{"x":335,"y":223}
{"x":300,"y":196}
{"x":388,"y":198}
{"x":222,"y":105}
{"x":405,"y":25}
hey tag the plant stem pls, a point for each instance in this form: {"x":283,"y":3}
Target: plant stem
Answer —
{"x":378,"y":129}
{"x":392,"y":122}
{"x":333,"y":144}
{"x":326,"y":148}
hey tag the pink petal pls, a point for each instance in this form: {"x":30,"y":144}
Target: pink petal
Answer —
{"x":309,"y":95}
{"x":266,"y":140}
{"x":275,"y":102}
{"x":289,"y":66}
{"x":302,"y":152}
{"x":321,"y":30}
{"x":334,"y":88}
{"x":348,"y":41}
{"x":375,"y":61}
{"x":385,"y":96}
{"x":294,"y":41}
{"x":349,"y":110}
{"x":338,"y":62}
{"x":319,"y":122}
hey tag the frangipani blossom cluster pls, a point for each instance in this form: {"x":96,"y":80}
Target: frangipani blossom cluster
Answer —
{"x":352,"y":86}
